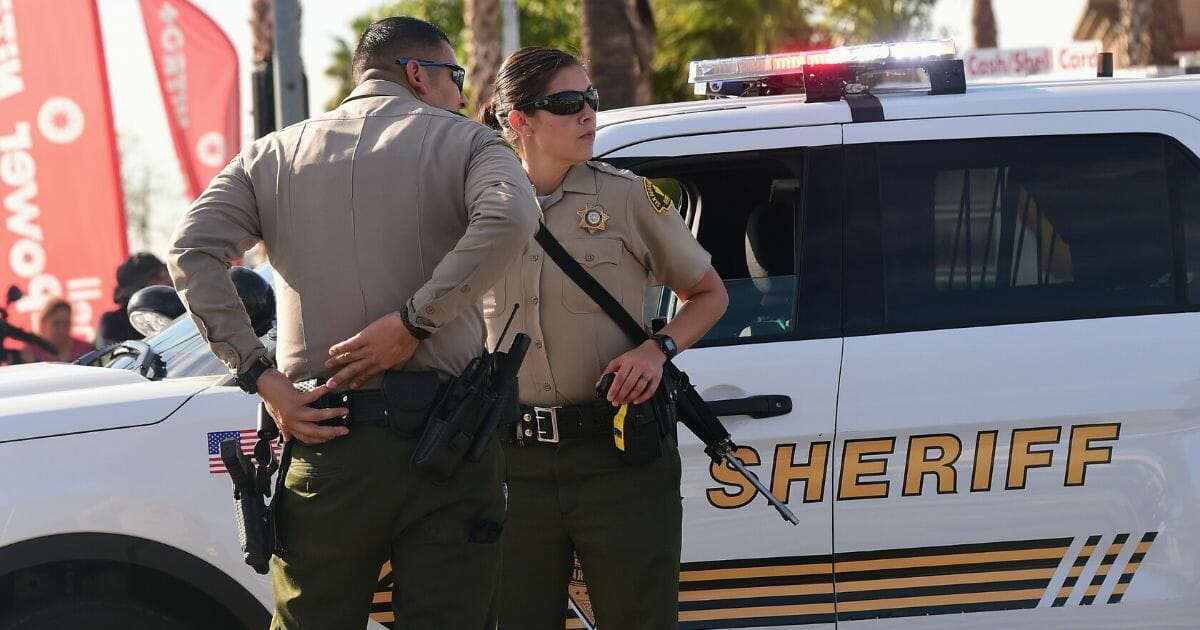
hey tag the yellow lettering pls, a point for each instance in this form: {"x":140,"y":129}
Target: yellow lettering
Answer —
{"x":985,"y":460}
{"x":744,"y":490}
{"x":1022,"y":457}
{"x":786,"y":472}
{"x":855,"y":467}
{"x":920,"y":464}
{"x":1081,"y":452}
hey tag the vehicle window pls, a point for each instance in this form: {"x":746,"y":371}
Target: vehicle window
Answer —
{"x":1183,"y":173}
{"x":743,"y":211}
{"x":992,"y":231}
{"x":183,"y":352}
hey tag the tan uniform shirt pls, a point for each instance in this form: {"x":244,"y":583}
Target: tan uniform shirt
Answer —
{"x":382,"y":204}
{"x":636,"y":240}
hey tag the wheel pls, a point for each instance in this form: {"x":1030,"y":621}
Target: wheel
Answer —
{"x":89,"y":612}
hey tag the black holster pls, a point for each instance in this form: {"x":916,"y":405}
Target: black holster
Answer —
{"x":410,"y":396}
{"x":257,"y":522}
{"x":461,"y":423}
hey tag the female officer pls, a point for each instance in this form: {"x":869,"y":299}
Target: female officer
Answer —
{"x":570,"y":490}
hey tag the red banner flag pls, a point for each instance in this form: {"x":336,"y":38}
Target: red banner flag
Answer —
{"x":64,"y":220}
{"x":198,"y":75}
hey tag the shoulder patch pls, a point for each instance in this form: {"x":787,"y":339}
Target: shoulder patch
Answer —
{"x":658,"y":199}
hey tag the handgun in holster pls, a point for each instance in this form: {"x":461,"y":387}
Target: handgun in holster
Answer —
{"x":257,"y":522}
{"x":462,"y":421}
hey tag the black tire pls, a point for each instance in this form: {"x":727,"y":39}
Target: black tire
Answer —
{"x":91,"y":613}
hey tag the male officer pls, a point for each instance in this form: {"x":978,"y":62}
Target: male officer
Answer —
{"x":391,"y":216}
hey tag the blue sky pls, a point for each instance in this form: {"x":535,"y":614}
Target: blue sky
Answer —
{"x":141,"y":123}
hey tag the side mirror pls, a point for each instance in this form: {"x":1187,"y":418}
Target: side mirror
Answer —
{"x":153,"y":308}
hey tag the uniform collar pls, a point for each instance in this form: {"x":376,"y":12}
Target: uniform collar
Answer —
{"x":379,"y":87}
{"x":579,"y":179}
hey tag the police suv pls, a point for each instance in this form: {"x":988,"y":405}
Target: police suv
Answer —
{"x":960,"y":346}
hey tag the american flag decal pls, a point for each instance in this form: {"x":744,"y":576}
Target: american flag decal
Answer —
{"x":245,"y":437}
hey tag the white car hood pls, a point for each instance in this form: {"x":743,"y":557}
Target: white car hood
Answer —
{"x":47,"y":399}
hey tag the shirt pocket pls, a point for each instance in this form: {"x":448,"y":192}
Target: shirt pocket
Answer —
{"x":601,"y":258}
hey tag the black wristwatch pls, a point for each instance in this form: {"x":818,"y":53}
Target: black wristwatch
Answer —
{"x":248,"y":378}
{"x":666,"y":344}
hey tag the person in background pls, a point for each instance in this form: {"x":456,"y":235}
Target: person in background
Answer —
{"x":140,"y":270}
{"x":53,"y":323}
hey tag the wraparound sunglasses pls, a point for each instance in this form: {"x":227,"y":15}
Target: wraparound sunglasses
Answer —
{"x":458,"y":74}
{"x":565,"y":103}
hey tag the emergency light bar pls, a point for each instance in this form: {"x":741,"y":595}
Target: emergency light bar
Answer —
{"x":825,"y":75}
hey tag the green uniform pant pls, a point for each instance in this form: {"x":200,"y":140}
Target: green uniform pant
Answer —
{"x":354,"y":502}
{"x":623,"y":522}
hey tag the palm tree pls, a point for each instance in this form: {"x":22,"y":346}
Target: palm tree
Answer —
{"x":483,"y":51}
{"x":618,"y":42}
{"x":865,"y":21}
{"x":1151,"y":28}
{"x":983,"y":21}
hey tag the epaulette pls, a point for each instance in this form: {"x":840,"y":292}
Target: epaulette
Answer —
{"x":605,"y":167}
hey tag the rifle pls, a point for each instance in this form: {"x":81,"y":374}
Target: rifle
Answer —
{"x":693,"y":411}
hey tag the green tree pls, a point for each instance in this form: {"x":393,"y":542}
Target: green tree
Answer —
{"x":866,"y":21}
{"x":690,"y":30}
{"x":543,"y":23}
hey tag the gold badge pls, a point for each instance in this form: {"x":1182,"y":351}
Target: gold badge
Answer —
{"x":593,"y":218}
{"x":658,"y":199}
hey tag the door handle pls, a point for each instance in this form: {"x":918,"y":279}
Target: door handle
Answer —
{"x":753,"y":406}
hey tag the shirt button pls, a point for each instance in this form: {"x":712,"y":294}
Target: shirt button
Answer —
{"x":466,"y":288}
{"x":534,"y":300}
{"x":589,"y":258}
{"x":534,"y":258}
{"x":430,"y":309}
{"x":537,"y":344}
{"x":546,"y":386}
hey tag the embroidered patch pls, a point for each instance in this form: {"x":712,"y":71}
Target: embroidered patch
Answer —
{"x":593,"y":218}
{"x":658,"y":199}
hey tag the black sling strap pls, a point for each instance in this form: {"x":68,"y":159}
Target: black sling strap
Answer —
{"x":694,"y":412}
{"x":590,"y":286}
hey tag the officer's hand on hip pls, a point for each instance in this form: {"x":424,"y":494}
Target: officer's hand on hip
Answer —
{"x":289,"y":407}
{"x":385,"y":344}
{"x":638,"y":373}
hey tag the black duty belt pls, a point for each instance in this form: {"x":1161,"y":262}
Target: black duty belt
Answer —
{"x":551,"y":425}
{"x":366,"y":407}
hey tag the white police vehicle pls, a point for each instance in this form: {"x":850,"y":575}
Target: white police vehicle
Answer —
{"x":981,"y":306}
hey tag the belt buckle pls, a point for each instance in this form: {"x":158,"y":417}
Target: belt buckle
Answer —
{"x":546,"y":413}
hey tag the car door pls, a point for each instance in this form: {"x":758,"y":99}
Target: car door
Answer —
{"x":1019,"y":412}
{"x":770,"y":219}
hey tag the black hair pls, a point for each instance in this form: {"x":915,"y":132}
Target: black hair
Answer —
{"x":522,"y":78}
{"x":388,"y":39}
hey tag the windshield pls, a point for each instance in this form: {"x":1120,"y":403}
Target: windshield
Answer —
{"x":178,"y":351}
{"x":183,"y":351}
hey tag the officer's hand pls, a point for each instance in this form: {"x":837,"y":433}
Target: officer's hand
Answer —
{"x":384,"y":344}
{"x":289,"y":407}
{"x":638,"y":373}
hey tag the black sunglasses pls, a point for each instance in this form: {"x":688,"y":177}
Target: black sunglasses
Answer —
{"x":457,"y":73}
{"x":565,"y":103}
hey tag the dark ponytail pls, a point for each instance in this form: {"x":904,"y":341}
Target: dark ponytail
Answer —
{"x":487,"y":115}
{"x":522,"y":78}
